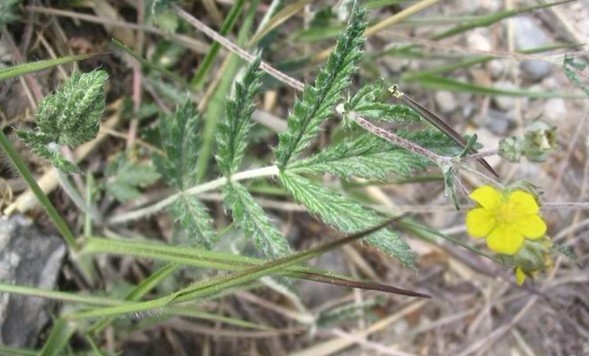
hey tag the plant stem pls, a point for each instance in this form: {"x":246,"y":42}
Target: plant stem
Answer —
{"x":20,"y":165}
{"x":212,"y":185}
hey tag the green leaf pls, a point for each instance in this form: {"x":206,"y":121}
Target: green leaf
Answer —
{"x":571,"y":68}
{"x":60,"y":334}
{"x":72,"y":115}
{"x":367,"y":157}
{"x":124,"y":178}
{"x":318,"y":100}
{"x":252,"y":218}
{"x":41,"y":145}
{"x":180,"y":141}
{"x":232,"y":137}
{"x":195,"y":219}
{"x":346,"y":215}
{"x":367,"y":103}
{"x":8,"y":11}
{"x":31,"y":67}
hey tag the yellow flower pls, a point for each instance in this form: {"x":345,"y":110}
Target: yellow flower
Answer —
{"x":506,"y":219}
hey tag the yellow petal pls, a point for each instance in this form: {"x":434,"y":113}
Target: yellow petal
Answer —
{"x":520,"y":276}
{"x":525,"y":202}
{"x":505,"y":239}
{"x":487,"y":196}
{"x":531,"y":226}
{"x":479,"y":222}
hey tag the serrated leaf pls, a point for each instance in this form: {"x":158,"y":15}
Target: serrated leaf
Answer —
{"x":570,"y":68}
{"x":252,"y":218}
{"x":124,"y":178}
{"x":41,"y":145}
{"x":232,"y":137}
{"x":317,"y":101}
{"x":72,"y":115}
{"x":367,"y":157}
{"x":195,"y":219}
{"x":367,"y":103}
{"x":346,"y":215}
{"x":180,"y":142}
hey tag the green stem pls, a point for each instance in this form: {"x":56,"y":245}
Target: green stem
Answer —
{"x":212,"y":185}
{"x":20,"y":165}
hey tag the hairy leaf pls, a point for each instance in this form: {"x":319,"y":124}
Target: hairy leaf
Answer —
{"x":41,"y":145}
{"x":232,"y":137}
{"x":346,"y":215}
{"x":367,"y":157}
{"x":72,"y":115}
{"x":180,"y":142}
{"x":125,"y":177}
{"x":252,"y":218}
{"x":317,"y":100}
{"x":367,"y":102}
{"x":194,"y":219}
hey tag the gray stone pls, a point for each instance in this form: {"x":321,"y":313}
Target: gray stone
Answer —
{"x":445,"y":101}
{"x":503,"y":102}
{"x":499,"y":123}
{"x":479,"y":39}
{"x":555,"y":110}
{"x":27,"y":258}
{"x":529,"y":35}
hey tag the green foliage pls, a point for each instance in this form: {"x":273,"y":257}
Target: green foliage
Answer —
{"x":571,"y":68}
{"x":318,"y":100}
{"x":194,"y":218}
{"x":367,"y":102}
{"x":124,"y":178}
{"x":231,"y":140}
{"x":8,"y":11}
{"x":70,"y":117}
{"x":346,"y":215}
{"x":539,"y":139}
{"x":252,"y":218}
{"x":180,"y":141}
{"x":366,"y":156}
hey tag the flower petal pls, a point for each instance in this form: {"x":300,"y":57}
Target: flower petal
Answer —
{"x":487,"y":196}
{"x":505,"y":239}
{"x":531,"y":226}
{"x":520,"y":276}
{"x":479,"y":222}
{"x":525,"y":202}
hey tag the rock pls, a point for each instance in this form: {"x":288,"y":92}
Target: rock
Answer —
{"x":479,"y":39}
{"x":27,"y":258}
{"x":496,"y":68}
{"x":499,"y":123}
{"x":503,"y":102}
{"x":529,"y":35}
{"x":555,"y":110}
{"x":445,"y":101}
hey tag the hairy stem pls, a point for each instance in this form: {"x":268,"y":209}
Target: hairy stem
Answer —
{"x":269,"y":171}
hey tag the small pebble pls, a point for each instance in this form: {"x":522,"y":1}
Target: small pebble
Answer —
{"x":529,"y":34}
{"x":479,"y":40}
{"x":555,"y":110}
{"x":503,"y":102}
{"x":445,"y":101}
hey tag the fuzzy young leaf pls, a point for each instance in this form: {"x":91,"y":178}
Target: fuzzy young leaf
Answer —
{"x":367,"y":103}
{"x":317,"y":100}
{"x":41,"y":145}
{"x":367,"y":157}
{"x":195,"y":219}
{"x":72,"y":115}
{"x":346,"y":215}
{"x":232,"y":137}
{"x":571,"y":69}
{"x":252,"y":218}
{"x":180,"y":142}
{"x":124,"y":178}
